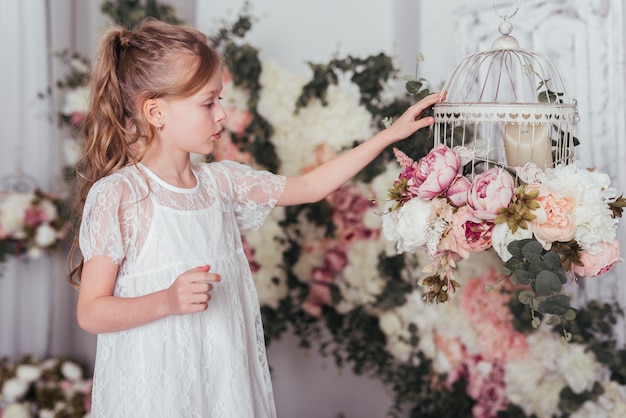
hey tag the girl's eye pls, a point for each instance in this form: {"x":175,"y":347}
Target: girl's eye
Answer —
{"x":212,"y":103}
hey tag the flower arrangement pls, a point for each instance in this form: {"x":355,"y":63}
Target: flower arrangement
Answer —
{"x":53,"y":387}
{"x":31,"y":223}
{"x":544,"y":224}
{"x":323,"y":272}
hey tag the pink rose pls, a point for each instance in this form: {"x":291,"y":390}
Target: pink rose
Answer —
{"x":319,"y":295}
{"x":457,"y":192}
{"x":470,"y":233}
{"x":600,"y":263}
{"x":554,"y":221}
{"x":435,"y":172}
{"x":490,"y":191}
{"x":238,"y":120}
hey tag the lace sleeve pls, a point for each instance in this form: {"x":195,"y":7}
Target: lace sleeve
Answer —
{"x":100,"y":230}
{"x":255,"y":193}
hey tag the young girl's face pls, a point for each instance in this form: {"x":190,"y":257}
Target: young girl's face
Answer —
{"x":193,"y":124}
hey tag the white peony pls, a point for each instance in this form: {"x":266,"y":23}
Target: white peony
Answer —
{"x":71,"y":371}
{"x":360,"y":283}
{"x":28,"y":372}
{"x":76,"y":101}
{"x":12,"y":209}
{"x":45,"y":235}
{"x":501,"y":237}
{"x":413,"y":217}
{"x":16,"y":410}
{"x":13,"y":389}
{"x":580,"y":368}
{"x":71,"y":151}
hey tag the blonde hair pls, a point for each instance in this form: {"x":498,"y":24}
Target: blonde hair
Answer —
{"x":156,"y":60}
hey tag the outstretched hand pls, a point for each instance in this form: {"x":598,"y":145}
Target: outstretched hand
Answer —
{"x":191,"y":291}
{"x":411,"y":121}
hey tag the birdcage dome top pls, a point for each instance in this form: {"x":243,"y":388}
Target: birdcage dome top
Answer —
{"x":506,"y":84}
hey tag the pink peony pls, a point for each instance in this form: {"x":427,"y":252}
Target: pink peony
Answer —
{"x":600,"y":263}
{"x":319,"y":295}
{"x":470,"y":233}
{"x":554,"y":221}
{"x":457,"y":192}
{"x":490,"y":191}
{"x":435,"y":172}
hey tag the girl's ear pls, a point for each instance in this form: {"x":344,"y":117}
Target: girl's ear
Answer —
{"x":153,"y":113}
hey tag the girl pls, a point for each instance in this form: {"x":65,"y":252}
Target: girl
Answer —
{"x":164,"y":280}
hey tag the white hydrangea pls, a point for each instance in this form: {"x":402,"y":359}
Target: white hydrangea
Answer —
{"x":592,"y":191}
{"x":45,"y":235}
{"x":12,"y":209}
{"x":71,"y":371}
{"x":71,"y":151}
{"x":76,"y":101}
{"x":270,"y":280}
{"x":16,"y":410}
{"x":296,"y":135}
{"x":13,"y":389}
{"x":612,"y":403}
{"x":28,"y":372}
{"x":360,"y":283}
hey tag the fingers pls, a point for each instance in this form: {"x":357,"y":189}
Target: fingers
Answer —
{"x":191,"y":291}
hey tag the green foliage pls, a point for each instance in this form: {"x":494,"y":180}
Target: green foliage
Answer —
{"x":130,"y":13}
{"x":541,"y":272}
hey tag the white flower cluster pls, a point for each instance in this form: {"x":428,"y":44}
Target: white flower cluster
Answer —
{"x":592,"y":191}
{"x":296,"y":135}
{"x":270,"y":279}
{"x":18,"y":214}
{"x":535,"y":381}
{"x":14,"y":389}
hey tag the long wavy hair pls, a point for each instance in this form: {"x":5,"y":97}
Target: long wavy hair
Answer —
{"x":156,"y":60}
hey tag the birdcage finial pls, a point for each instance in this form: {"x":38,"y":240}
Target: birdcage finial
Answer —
{"x":505,"y":40}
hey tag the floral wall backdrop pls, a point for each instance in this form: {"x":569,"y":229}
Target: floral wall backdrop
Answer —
{"x":329,"y":282}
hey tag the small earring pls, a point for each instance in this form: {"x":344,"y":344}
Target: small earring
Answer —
{"x":159,"y":126}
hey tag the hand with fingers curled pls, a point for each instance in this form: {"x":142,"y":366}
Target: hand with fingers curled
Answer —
{"x":413,"y":118}
{"x":191,"y":291}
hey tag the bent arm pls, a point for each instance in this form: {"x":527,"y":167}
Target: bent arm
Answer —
{"x":323,"y":180}
{"x":98,"y":311}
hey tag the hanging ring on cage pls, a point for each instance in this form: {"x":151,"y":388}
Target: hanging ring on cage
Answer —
{"x":18,"y":182}
{"x":505,"y":17}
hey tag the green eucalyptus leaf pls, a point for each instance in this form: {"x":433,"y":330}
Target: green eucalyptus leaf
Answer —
{"x":555,"y":320}
{"x":413,"y":86}
{"x":570,"y":315}
{"x":526,"y":297}
{"x":531,"y":249}
{"x":553,"y":260}
{"x":547,"y":282}
{"x":557,"y":305}
{"x":523,"y":276}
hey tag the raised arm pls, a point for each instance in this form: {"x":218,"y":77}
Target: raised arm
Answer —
{"x":320,"y":182}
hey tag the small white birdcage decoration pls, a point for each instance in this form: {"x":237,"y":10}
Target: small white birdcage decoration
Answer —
{"x":508,"y":104}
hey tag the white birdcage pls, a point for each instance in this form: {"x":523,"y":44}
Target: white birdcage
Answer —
{"x":509,"y":104}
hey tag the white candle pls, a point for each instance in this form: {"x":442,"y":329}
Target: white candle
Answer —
{"x":526,"y":143}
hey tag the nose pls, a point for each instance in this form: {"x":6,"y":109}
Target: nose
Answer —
{"x":221,"y":114}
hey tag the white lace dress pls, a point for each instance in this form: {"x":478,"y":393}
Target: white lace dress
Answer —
{"x":209,"y":364}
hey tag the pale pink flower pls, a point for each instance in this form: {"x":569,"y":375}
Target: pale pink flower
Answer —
{"x":457,"y":192}
{"x":554,"y":219}
{"x":599,"y":263}
{"x":319,"y":295}
{"x":435,"y":172}
{"x":490,"y":191}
